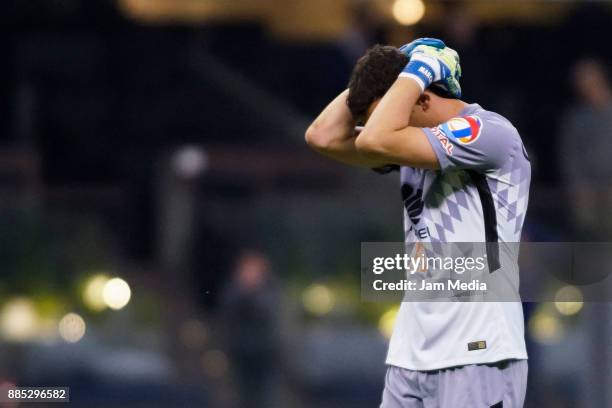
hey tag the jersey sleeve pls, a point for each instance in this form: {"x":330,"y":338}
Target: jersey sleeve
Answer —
{"x":469,"y":142}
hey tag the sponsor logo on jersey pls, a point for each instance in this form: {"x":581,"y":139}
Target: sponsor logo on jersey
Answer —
{"x":446,"y":144}
{"x":465,"y":130}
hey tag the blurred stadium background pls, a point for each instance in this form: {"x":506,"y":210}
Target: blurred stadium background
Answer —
{"x":167,"y":239}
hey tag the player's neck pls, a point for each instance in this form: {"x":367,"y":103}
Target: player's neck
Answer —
{"x":451,"y":108}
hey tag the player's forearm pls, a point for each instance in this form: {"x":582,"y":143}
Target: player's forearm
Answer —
{"x":389,"y":125}
{"x":394,"y":110}
{"x":333,"y":134}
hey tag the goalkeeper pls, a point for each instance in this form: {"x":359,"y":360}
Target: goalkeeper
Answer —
{"x":465,"y":177}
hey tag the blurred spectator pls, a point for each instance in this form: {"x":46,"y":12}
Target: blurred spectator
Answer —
{"x":586,"y":143}
{"x":251,"y":317}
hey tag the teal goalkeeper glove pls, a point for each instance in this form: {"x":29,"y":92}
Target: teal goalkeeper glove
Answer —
{"x":407,"y":49}
{"x":432,"y":64}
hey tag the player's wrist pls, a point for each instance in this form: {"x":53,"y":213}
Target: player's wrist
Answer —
{"x":419,"y":70}
{"x":421,"y":84}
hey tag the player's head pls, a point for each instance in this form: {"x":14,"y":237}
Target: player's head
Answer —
{"x":372,"y":77}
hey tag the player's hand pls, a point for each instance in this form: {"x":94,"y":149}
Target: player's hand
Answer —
{"x":407,"y":49}
{"x":429,"y":64}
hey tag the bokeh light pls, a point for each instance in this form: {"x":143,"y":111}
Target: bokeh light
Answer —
{"x":72,"y":327}
{"x":19,"y":320}
{"x":545,"y":328}
{"x":408,"y":12}
{"x":569,"y":300}
{"x":93,"y":294}
{"x":190,"y":161}
{"x":387,"y":322}
{"x":116,"y":293}
{"x":318,"y":299}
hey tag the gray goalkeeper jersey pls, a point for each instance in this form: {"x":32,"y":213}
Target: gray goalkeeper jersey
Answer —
{"x":480,"y":194}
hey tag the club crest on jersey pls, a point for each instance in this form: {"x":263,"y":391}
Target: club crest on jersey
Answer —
{"x":465,"y":130}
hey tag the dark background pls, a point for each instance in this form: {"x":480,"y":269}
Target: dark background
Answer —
{"x":159,"y":149}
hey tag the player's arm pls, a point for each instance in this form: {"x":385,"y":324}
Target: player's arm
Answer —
{"x":333,"y":135}
{"x":387,"y":136}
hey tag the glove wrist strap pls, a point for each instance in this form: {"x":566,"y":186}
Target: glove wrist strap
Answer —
{"x":421,"y":72}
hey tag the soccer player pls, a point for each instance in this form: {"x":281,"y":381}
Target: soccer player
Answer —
{"x":465,"y":177}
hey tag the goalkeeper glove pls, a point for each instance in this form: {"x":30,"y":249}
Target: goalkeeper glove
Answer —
{"x":431,"y":64}
{"x":407,"y":49}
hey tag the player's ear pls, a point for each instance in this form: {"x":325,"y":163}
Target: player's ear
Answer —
{"x":424,"y":101}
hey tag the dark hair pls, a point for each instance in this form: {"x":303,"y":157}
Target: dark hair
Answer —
{"x":374,"y":74}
